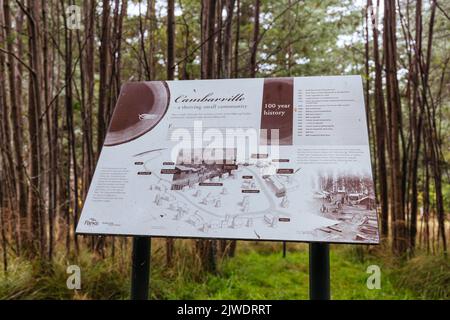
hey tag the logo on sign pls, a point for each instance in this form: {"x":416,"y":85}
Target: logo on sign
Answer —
{"x":91,"y":222}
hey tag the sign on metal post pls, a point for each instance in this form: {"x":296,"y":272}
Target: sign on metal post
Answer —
{"x":319,"y":271}
{"x":140,"y":268}
{"x":283,"y":159}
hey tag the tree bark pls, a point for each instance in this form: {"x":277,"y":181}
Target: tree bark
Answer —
{"x":105,"y":61}
{"x":255,"y":41}
{"x":170,"y":39}
{"x":380,"y":116}
{"x":170,"y":76}
{"x":16,"y":115}
{"x":394,"y":116}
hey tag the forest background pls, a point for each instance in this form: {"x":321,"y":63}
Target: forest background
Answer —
{"x":61,"y":67}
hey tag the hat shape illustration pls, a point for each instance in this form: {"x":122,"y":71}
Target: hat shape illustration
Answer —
{"x":139,"y":108}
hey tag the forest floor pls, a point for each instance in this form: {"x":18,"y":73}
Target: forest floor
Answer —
{"x":257,"y":272}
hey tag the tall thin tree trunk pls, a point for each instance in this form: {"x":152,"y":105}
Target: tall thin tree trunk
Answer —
{"x":394,"y":115}
{"x":170,"y":76}
{"x":380,"y":116}
{"x":86,"y":53}
{"x":416,"y":124}
{"x":255,"y":41}
{"x":35,"y":205}
{"x":17,"y":132}
{"x":47,"y":80}
{"x":229,"y":6}
{"x":236,"y":40}
{"x":105,"y":61}
{"x":207,"y":248}
{"x":170,"y":39}
{"x":432,"y":134}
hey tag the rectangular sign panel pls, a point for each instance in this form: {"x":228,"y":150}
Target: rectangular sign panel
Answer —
{"x":260,"y":159}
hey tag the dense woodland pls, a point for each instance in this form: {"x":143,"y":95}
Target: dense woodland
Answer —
{"x":61,"y":69}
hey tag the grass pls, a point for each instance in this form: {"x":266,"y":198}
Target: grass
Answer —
{"x":428,"y":276}
{"x":257,"y":272}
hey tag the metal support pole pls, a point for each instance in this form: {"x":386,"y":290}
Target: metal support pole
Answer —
{"x":319,"y":271}
{"x":284,"y":249}
{"x":140,"y":271}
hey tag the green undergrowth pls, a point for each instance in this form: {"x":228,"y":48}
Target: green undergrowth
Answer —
{"x":258,"y":271}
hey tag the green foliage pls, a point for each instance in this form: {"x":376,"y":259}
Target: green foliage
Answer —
{"x":257,"y":272}
{"x":428,"y":276}
{"x":100,"y":280}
